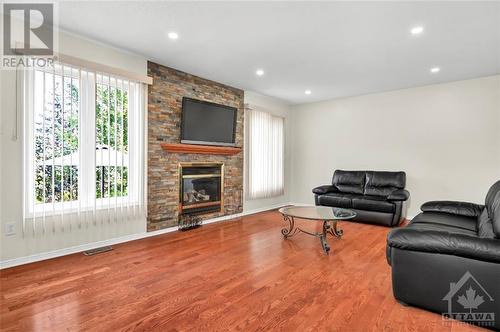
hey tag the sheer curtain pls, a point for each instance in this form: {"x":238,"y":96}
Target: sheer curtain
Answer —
{"x":266,"y":154}
{"x":84,"y":149}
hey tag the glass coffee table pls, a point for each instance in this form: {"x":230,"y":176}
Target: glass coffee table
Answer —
{"x":327,"y":215}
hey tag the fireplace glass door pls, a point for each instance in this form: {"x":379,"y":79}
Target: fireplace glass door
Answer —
{"x":201,"y":188}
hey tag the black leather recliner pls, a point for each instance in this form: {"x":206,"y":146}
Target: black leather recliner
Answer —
{"x":376,"y":197}
{"x":447,"y":260}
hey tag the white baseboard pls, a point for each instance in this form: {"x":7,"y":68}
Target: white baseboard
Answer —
{"x":88,"y":246}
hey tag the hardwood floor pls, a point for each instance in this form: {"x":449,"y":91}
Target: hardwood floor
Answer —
{"x":234,"y":275}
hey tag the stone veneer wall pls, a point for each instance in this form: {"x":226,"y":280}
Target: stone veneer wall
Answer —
{"x":164,"y":117}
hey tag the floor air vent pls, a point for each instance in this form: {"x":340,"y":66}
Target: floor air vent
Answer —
{"x":97,"y":250}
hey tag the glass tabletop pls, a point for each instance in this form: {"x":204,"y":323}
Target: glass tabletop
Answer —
{"x":317,"y":212}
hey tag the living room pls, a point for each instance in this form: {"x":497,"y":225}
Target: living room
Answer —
{"x":250,"y":166}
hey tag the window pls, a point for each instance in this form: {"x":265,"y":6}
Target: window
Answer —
{"x":55,"y":135}
{"x":111,"y":139}
{"x":266,"y":155}
{"x":83,"y":145}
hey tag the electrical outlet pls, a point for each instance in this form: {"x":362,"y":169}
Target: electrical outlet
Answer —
{"x":10,"y":228}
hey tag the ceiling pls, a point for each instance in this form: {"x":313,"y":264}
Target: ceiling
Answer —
{"x":334,"y":49}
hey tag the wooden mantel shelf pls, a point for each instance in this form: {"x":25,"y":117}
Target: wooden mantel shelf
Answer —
{"x":200,"y":149}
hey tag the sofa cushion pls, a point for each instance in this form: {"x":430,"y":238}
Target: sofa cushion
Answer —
{"x":492,"y":204}
{"x":373,"y":203}
{"x":384,"y":183}
{"x":341,"y":200}
{"x":349,"y":181}
{"x":491,"y":196}
{"x":465,"y":209}
{"x":441,"y":228}
{"x":496,"y":216}
{"x":485,"y":226}
{"x":445,"y":219}
{"x":321,"y":190}
{"x":445,"y":243}
{"x":399,"y":195}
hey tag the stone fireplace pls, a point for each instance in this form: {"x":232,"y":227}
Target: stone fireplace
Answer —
{"x":200,"y":188}
{"x":167,"y":202}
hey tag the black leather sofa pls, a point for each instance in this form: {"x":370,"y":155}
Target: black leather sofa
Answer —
{"x":447,"y":260}
{"x":376,"y":197}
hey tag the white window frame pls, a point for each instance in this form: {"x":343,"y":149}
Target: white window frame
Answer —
{"x":86,"y":145}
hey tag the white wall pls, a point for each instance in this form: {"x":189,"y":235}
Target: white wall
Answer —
{"x":11,"y":161}
{"x":280,"y":108}
{"x":444,"y":136}
{"x":498,"y":131}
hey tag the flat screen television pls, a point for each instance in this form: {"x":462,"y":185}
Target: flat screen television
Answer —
{"x":207,"y":123}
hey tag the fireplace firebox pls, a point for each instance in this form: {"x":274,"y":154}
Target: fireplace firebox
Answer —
{"x":201,"y":188}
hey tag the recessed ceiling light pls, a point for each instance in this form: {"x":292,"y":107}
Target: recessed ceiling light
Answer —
{"x":259,"y":72}
{"x":435,"y":70}
{"x":173,"y":35}
{"x":417,"y":30}
{"x":307,"y":92}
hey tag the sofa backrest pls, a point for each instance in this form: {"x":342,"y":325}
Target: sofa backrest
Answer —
{"x":492,"y":204}
{"x":349,"y":181}
{"x":375,"y":183}
{"x":384,"y":183}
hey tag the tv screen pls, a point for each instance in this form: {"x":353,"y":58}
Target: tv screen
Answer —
{"x":207,"y":123}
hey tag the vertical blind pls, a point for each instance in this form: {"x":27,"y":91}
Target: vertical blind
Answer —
{"x":83,"y":148}
{"x":266,"y":154}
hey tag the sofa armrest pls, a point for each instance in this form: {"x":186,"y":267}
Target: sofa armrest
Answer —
{"x":324,"y":189}
{"x":445,"y":243}
{"x":451,"y":207}
{"x":399,"y":195}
